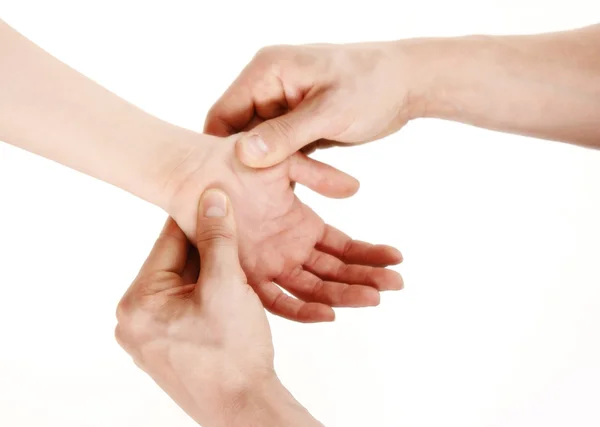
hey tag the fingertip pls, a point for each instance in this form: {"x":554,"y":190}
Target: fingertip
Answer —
{"x":384,"y":255}
{"x":216,"y":222}
{"x":401,"y":284}
{"x":374,"y":299}
{"x":389,"y":280}
{"x":328,"y":315}
{"x":316,"y":313}
{"x":353,"y":187}
{"x":253,"y":151}
{"x":322,"y":178}
{"x":343,"y":188}
{"x":395,"y":256}
{"x":214,"y":203}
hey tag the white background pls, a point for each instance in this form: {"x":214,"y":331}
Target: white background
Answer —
{"x":498,"y":324}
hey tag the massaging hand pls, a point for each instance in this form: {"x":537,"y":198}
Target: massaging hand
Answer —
{"x":292,"y":96}
{"x":283,"y":240}
{"x":200,"y":331}
{"x":114,"y":141}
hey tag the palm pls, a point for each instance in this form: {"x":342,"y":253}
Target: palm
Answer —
{"x":278,"y":231}
{"x":284,"y":241}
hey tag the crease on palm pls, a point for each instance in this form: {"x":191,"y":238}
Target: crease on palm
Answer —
{"x":286,"y":246}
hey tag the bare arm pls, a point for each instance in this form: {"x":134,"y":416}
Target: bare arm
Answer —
{"x":52,"y":110}
{"x":546,"y":85}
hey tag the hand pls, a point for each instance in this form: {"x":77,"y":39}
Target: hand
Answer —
{"x":283,"y":240}
{"x":292,"y":96}
{"x":200,"y":331}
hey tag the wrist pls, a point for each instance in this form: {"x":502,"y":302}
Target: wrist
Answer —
{"x":408,"y":71}
{"x":442,"y":74}
{"x":265,"y":402}
{"x":205,"y":161}
{"x":183,"y":154}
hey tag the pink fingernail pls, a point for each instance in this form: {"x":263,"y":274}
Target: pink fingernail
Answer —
{"x":255,"y":147}
{"x":214,"y":204}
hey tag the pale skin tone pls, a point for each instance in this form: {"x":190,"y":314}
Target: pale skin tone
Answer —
{"x":201,"y":332}
{"x":305,"y":97}
{"x":50,"y":109}
{"x":288,"y":99}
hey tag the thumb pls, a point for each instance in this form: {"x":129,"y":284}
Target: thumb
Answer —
{"x":273,"y":141}
{"x":216,"y":240}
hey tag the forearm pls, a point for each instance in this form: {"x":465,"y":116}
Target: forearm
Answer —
{"x":546,"y":86}
{"x":269,"y":405}
{"x":50,"y":109}
{"x":264,"y":403}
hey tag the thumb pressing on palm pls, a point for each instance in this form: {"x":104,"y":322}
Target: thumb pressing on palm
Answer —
{"x":217,"y":243}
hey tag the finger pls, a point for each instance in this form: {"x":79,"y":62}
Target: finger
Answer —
{"x":169,"y":253}
{"x":320,"y":145}
{"x":269,"y":96}
{"x":192,"y":267}
{"x":328,"y":267}
{"x":216,"y":240}
{"x":259,"y":91}
{"x":313,"y":289}
{"x":255,"y":121}
{"x":233,"y":111}
{"x":322,"y":178}
{"x":341,"y":246}
{"x":275,"y":140}
{"x":280,"y":304}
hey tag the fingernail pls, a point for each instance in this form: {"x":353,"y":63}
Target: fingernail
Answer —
{"x":214,"y":204}
{"x":255,"y":147}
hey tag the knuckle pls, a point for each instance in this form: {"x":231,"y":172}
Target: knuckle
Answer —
{"x":124,"y":333}
{"x":120,"y":336}
{"x":216,"y":122}
{"x":131,"y":329}
{"x":271,"y":60}
{"x":269,"y":53}
{"x":124,"y":309}
{"x":130,"y":315}
{"x":282,"y":128}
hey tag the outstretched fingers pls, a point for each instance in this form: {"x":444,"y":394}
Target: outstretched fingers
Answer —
{"x":280,"y":304}
{"x":312,"y":289}
{"x":322,"y":178}
{"x":350,"y":251}
{"x":328,"y":267}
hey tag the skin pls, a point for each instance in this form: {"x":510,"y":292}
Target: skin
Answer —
{"x":284,"y":240}
{"x":306,"y":97}
{"x":287,"y":99}
{"x":51,"y":110}
{"x":201,"y":332}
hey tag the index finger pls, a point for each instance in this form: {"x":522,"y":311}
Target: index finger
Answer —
{"x":257,"y":92}
{"x":350,"y":251}
{"x":169,"y":253}
{"x":232,"y":112}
